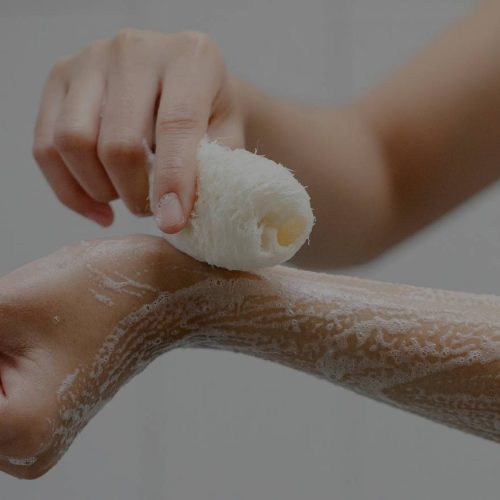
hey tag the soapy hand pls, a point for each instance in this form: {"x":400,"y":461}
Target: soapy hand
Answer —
{"x":74,"y":327}
{"x":101,"y":107}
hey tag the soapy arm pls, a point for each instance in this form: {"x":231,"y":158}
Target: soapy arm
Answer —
{"x":431,"y":352}
{"x":66,"y":350}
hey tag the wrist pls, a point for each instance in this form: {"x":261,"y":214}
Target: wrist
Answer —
{"x":191,"y":295}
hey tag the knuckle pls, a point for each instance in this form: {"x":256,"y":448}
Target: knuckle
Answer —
{"x":200,"y":45}
{"x":173,"y":166}
{"x":43,"y":152}
{"x":121,"y":151}
{"x":94,"y":48}
{"x":128,"y":36}
{"x":69,"y":197}
{"x":59,"y":66}
{"x":69,"y":139}
{"x":170,"y":171}
{"x":196,"y":41}
{"x":179,"y":117}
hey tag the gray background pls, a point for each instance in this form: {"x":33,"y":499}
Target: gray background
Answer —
{"x":215,"y":425}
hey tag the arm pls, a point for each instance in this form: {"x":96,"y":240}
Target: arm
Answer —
{"x":377,"y":170}
{"x":432,"y":352}
{"x":66,"y":350}
{"x":398,"y":158}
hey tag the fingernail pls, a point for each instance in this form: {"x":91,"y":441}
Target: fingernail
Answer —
{"x":170,"y":213}
{"x":101,"y":216}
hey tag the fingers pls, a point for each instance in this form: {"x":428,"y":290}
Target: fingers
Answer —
{"x":75,"y":136}
{"x":100,"y":108}
{"x":71,"y":194}
{"x":188,"y":91}
{"x":127,"y":121}
{"x":45,"y":152}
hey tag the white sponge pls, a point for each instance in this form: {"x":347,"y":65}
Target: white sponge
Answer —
{"x":250,"y":212}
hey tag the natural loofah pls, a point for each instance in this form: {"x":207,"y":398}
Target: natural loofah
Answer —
{"x":250,"y":212}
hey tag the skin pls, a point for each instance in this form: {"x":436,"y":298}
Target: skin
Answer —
{"x":101,"y":105}
{"x":427,"y":351}
{"x":66,"y":350}
{"x":401,"y":156}
{"x":377,"y":170}
{"x":49,"y":329}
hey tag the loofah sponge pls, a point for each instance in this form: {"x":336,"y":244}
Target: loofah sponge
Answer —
{"x":250,"y":212}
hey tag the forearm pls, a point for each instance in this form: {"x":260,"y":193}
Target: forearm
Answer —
{"x":438,"y":121}
{"x":396,"y":159}
{"x":67,"y":350}
{"x":333,"y":153}
{"x":431,"y":352}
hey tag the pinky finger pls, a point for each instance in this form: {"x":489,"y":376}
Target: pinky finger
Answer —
{"x":69,"y":192}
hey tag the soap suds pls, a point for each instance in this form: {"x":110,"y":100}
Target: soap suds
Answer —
{"x":424,"y":351}
{"x":67,"y":383}
{"x":104,"y":299}
{"x":25,"y":462}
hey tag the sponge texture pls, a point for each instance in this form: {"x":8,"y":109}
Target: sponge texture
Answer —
{"x":250,"y":212}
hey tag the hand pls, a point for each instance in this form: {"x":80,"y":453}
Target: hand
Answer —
{"x":101,"y":106}
{"x":74,"y":327}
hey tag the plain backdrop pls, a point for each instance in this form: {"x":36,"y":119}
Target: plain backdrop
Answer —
{"x":221,"y":426}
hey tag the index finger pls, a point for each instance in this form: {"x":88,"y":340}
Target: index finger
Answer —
{"x":188,"y":91}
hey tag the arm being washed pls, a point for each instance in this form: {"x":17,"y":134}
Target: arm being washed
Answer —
{"x":78,"y":324}
{"x":429,"y":351}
